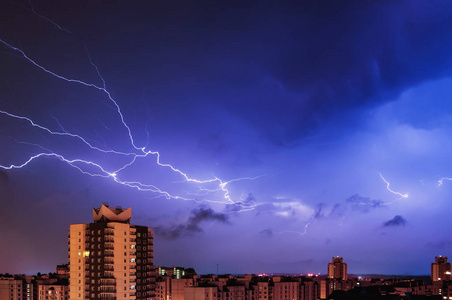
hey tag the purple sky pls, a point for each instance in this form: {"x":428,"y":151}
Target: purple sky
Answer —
{"x":313,"y":106}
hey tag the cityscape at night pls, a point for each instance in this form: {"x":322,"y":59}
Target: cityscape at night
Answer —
{"x":247,"y":137}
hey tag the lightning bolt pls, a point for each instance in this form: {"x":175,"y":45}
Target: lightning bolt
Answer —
{"x":440,"y":182}
{"x":94,"y":169}
{"x":33,"y":10}
{"x":298,"y":232}
{"x":387,"y":187}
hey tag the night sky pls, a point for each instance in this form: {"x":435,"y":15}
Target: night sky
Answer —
{"x":288,"y":133}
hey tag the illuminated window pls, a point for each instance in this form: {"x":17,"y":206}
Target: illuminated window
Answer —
{"x":132,"y":246}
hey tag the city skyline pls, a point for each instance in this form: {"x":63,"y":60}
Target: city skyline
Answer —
{"x":265,"y":138}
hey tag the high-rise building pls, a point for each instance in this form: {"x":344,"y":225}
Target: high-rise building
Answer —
{"x":111,"y":259}
{"x":337,"y":269}
{"x":441,"y":269}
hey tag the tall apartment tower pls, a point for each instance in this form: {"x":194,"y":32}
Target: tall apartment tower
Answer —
{"x":441,"y":269}
{"x":337,"y":269}
{"x":111,"y":259}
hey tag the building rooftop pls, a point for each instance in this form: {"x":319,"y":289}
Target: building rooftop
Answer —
{"x":106,"y":213}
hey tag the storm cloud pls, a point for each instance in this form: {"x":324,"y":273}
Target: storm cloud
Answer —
{"x":193,"y":224}
{"x":397,"y":221}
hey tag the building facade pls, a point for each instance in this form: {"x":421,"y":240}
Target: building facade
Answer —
{"x":441,"y":269}
{"x":111,"y":259}
{"x":337,"y":269}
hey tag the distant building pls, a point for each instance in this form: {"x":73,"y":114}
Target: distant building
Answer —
{"x":177,"y":272}
{"x":63,"y":271}
{"x":18,"y":287}
{"x":337,"y":269}
{"x":55,"y":291}
{"x":12,"y":289}
{"x":441,"y":269}
{"x":111,"y":259}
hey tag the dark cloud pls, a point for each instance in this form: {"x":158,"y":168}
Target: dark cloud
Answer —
{"x":267,"y":232}
{"x":169,"y":233}
{"x":203,"y":214}
{"x":285,"y":75}
{"x":441,"y":244}
{"x":395,"y":222}
{"x":192,"y":225}
{"x":318,"y":213}
{"x":363,"y":204}
{"x":338,"y":210}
